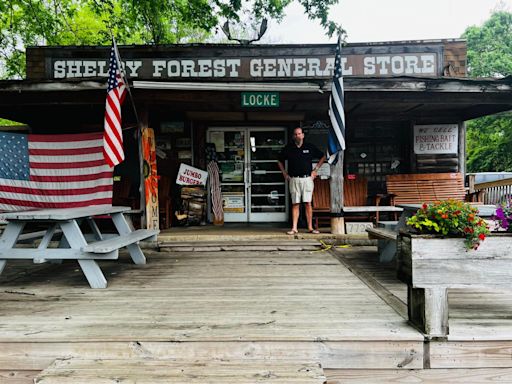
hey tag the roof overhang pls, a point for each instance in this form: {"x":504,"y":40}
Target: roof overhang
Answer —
{"x":397,"y":98}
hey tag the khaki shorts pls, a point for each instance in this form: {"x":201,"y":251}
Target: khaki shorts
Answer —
{"x":301,"y":189}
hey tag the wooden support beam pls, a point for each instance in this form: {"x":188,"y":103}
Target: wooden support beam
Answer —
{"x":336,"y":184}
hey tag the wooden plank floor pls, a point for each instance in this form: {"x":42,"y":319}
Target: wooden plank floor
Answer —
{"x":289,"y":305}
{"x":480,"y":320}
{"x":145,"y":371}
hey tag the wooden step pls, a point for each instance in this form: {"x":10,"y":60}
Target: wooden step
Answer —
{"x":419,"y":376}
{"x":142,"y":371}
{"x":266,"y":245}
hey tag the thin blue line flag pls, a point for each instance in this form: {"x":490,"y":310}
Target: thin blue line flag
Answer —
{"x":336,"y":111}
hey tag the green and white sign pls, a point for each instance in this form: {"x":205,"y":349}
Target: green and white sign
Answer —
{"x":260,"y":99}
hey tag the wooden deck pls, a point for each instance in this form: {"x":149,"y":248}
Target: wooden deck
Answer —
{"x":247,"y":310}
{"x":233,"y":305}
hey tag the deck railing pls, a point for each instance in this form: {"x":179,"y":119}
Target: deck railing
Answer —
{"x":495,"y":191}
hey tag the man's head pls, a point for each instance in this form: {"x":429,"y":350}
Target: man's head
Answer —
{"x":298,"y":136}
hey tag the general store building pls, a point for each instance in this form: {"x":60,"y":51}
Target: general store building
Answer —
{"x":406,"y":104}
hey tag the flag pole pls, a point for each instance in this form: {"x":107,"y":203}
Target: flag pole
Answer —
{"x":139,"y":136}
{"x":337,"y":145}
{"x":123,"y":75}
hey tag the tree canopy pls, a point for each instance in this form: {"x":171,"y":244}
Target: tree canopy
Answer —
{"x":89,"y":22}
{"x":489,"y":139}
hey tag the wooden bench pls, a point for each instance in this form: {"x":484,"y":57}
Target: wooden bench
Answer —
{"x":386,"y":242}
{"x":425,"y":187}
{"x":355,"y":196}
{"x":111,"y":244}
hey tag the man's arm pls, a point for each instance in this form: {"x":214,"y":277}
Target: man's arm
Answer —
{"x":314,"y":172}
{"x":283,"y":170}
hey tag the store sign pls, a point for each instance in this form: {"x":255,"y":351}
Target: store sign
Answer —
{"x":260,"y":99}
{"x":236,"y":68}
{"x":188,"y":175}
{"x":436,"y":139}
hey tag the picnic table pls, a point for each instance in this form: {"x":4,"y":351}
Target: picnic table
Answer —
{"x":84,"y":246}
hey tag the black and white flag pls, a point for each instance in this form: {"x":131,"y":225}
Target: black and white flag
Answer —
{"x":336,"y":111}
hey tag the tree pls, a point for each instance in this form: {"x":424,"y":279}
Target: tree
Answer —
{"x":90,"y":22}
{"x":489,"y":139}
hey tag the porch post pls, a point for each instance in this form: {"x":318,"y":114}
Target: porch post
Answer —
{"x":336,"y":184}
{"x":428,"y":309}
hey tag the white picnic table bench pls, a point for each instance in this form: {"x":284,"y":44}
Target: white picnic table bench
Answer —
{"x":75,"y":244}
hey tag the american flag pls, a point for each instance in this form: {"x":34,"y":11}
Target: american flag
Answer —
{"x":116,"y":91}
{"x":336,"y":110}
{"x":53,"y":171}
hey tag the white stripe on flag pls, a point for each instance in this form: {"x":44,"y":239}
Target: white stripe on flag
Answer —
{"x":55,"y":198}
{"x":66,"y":158}
{"x":57,"y":185}
{"x":65,"y":144}
{"x":70,"y":171}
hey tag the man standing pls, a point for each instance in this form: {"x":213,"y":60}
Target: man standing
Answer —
{"x":300,"y":175}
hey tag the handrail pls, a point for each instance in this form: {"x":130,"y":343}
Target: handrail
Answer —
{"x":492,"y":184}
{"x":495,"y":191}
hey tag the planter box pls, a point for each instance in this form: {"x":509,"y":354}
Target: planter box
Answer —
{"x":431,"y":264}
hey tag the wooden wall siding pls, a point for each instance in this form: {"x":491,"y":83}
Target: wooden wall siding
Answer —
{"x":437,"y":163}
{"x":455,"y":59}
{"x":35,"y":64}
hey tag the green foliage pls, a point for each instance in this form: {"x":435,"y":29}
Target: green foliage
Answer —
{"x":490,"y":46}
{"x":7,"y":123}
{"x":489,"y":139}
{"x":451,"y":218}
{"x":89,"y":22}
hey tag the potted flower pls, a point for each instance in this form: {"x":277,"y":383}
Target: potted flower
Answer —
{"x":442,"y":239}
{"x":450,"y":218}
{"x":503,"y":216}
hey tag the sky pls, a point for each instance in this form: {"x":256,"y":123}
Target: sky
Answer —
{"x":387,"y":20}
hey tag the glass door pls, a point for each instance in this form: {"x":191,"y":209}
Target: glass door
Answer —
{"x":230,"y":145}
{"x":252,"y":187}
{"x":267,"y":187}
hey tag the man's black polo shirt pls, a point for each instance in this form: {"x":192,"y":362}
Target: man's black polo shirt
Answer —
{"x":300,"y":160}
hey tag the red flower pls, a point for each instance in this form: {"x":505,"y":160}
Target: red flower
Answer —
{"x":481,"y":236}
{"x":424,"y":206}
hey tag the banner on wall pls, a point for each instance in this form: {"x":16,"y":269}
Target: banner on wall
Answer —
{"x":150,"y":178}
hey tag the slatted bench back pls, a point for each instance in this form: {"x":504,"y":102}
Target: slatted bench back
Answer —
{"x":355,"y":193}
{"x":321,"y":196}
{"x":425,"y":187}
